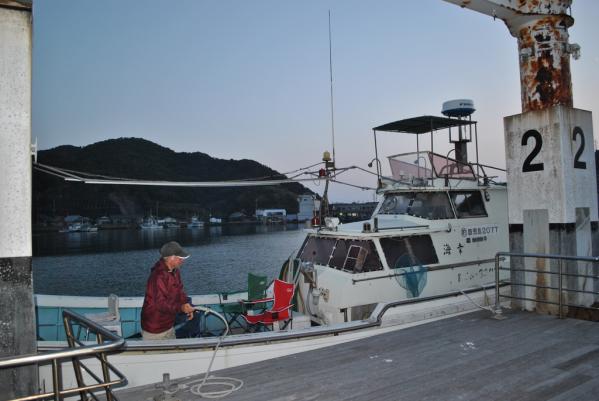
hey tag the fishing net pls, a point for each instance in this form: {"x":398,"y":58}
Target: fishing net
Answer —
{"x":411,"y":275}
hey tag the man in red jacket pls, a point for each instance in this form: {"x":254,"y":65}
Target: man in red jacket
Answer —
{"x":165,"y":296}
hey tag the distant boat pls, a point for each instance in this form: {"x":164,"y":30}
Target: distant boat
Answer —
{"x":72,"y":228}
{"x":150,"y":223}
{"x":170,"y":222}
{"x":79,"y":227}
{"x":88,"y":228}
{"x":195,"y":223}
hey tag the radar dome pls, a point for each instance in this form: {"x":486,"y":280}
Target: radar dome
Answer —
{"x":458,"y":108}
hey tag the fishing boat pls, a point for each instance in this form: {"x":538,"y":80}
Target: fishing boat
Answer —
{"x":195,"y":222}
{"x":427,"y":252}
{"x":151,"y":223}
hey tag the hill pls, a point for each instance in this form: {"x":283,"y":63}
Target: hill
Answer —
{"x":141,"y":159}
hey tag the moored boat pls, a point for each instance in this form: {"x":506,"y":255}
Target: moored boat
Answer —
{"x":427,"y":252}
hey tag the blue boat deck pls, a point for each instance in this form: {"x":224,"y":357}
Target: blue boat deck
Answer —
{"x":468,"y":357}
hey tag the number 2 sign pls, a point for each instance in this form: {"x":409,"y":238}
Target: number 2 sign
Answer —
{"x":534,"y":135}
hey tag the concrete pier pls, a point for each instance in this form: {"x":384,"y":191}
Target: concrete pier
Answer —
{"x":17,"y":320}
{"x":469,"y":357}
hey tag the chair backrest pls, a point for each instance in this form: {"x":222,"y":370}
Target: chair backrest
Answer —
{"x":113,"y":306}
{"x":283,"y":293}
{"x":256,"y":286}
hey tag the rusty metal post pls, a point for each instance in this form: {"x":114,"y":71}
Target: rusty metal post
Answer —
{"x":541,"y":27}
{"x":544,"y":55}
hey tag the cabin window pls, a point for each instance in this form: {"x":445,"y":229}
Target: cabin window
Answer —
{"x":355,"y":256}
{"x":468,"y":204}
{"x":317,"y":250}
{"x":409,"y":251}
{"x":427,"y":205}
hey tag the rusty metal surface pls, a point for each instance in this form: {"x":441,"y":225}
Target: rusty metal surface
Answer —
{"x":502,"y":8}
{"x":544,"y":63}
{"x":20,"y":4}
{"x":541,"y":27}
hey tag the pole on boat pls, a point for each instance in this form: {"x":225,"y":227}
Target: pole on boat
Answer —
{"x":329,"y":166}
{"x":17,"y":320}
{"x":550,"y":157}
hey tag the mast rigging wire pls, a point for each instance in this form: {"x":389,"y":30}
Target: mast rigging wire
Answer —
{"x":89,"y":178}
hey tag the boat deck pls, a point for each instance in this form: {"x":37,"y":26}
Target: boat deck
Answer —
{"x":468,"y":357}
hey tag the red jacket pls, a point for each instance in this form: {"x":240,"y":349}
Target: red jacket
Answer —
{"x":163,"y":300}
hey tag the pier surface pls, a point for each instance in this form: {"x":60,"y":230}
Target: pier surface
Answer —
{"x":468,"y":357}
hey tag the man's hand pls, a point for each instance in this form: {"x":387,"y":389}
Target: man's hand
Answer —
{"x":188,"y":309}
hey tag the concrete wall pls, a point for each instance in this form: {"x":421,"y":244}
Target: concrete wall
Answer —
{"x":17,"y":320}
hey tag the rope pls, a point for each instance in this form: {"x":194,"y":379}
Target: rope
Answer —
{"x":90,"y":178}
{"x":488,"y":308}
{"x":230,"y":384}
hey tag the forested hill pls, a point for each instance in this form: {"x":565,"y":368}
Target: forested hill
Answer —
{"x":141,"y":159}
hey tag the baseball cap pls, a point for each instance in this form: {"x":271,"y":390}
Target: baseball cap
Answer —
{"x":173,"y":249}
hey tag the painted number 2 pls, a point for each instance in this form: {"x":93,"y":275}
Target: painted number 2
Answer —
{"x":528,"y":165}
{"x":534,"y":134}
{"x":577,"y":163}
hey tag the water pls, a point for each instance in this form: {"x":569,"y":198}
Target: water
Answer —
{"x":119,"y":261}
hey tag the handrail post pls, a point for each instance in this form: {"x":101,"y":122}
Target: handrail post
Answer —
{"x":497,"y":312}
{"x":56,"y":380}
{"x":68,"y":328}
{"x":560,"y":296}
{"x":104,"y":363}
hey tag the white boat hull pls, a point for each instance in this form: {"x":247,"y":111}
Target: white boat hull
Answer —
{"x":142,"y":365}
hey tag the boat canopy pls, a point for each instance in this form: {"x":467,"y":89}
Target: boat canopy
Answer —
{"x":422,"y":124}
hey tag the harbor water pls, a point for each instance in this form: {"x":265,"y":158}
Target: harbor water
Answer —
{"x":119,"y":261}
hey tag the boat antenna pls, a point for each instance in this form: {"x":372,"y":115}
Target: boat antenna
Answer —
{"x":331,"y":81}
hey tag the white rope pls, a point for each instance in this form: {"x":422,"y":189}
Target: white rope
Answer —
{"x":68,"y":176}
{"x":230,"y":384}
{"x":78,"y":176}
{"x":487,"y":308}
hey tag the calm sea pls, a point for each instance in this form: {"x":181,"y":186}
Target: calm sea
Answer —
{"x":119,"y":261}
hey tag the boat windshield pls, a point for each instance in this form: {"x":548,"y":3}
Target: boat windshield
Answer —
{"x":349,"y":255}
{"x":427,"y":205}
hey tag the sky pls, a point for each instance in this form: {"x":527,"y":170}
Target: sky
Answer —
{"x":251,"y":80}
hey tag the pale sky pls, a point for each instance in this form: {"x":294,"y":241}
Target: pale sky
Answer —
{"x":250,"y":79}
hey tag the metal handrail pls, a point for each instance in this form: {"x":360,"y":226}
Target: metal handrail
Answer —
{"x":77,"y":350}
{"x":560,"y":273}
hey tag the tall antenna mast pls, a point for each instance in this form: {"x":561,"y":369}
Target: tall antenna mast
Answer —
{"x":331,"y":80}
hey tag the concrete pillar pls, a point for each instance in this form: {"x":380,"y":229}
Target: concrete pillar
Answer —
{"x":551,"y":172}
{"x":17,"y":320}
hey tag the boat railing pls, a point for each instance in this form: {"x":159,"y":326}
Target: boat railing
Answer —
{"x":483,"y":177}
{"x":555,"y":294}
{"x":426,"y":166}
{"x":77,"y":352}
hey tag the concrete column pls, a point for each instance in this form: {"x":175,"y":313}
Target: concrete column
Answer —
{"x":17,"y":320}
{"x":551,"y":171}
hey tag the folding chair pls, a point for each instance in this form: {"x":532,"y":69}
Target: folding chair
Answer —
{"x":111,"y":320}
{"x":280,"y":310}
{"x":257,"y":285}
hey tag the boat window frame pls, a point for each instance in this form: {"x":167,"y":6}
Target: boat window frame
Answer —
{"x":363,"y":260}
{"x":410,"y":249}
{"x":472,"y":192}
{"x":430,"y":198}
